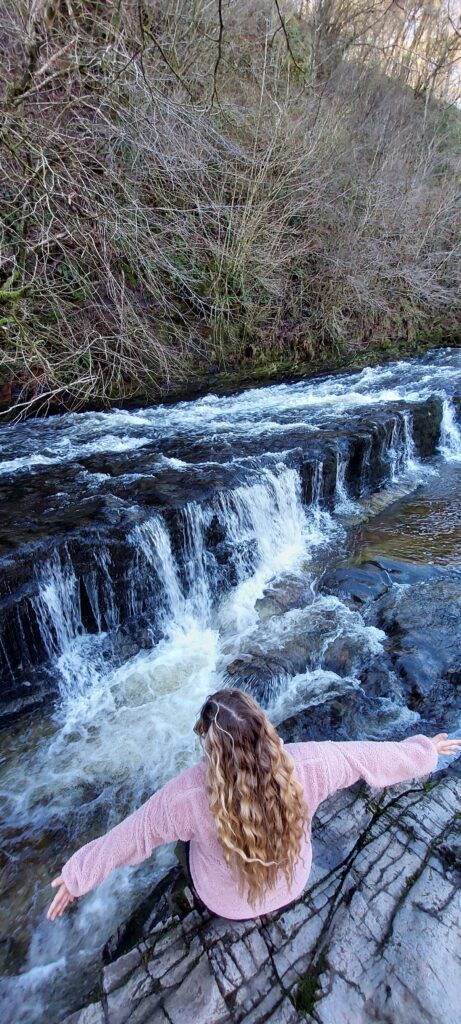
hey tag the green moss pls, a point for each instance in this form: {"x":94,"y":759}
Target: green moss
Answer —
{"x":308,"y":987}
{"x":305,"y":996}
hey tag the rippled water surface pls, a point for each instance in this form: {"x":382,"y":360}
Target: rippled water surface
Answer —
{"x":424,"y":527}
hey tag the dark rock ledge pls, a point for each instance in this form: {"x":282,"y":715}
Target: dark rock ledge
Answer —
{"x":374,"y":938}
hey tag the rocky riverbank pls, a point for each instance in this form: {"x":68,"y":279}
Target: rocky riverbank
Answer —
{"x":373,"y":938}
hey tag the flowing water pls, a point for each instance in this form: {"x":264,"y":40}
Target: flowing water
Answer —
{"x":197,"y":517}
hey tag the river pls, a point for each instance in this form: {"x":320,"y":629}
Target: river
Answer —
{"x":149,"y":557}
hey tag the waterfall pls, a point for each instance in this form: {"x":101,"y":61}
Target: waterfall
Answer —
{"x":57,"y":605}
{"x":410,"y":462}
{"x":185,"y":578}
{"x":450,"y":433}
{"x":266,"y":524}
{"x":124,"y":713}
{"x":365,"y":467}
{"x":268,"y":515}
{"x":182,"y":566}
{"x":344,"y":505}
{"x":394,"y":451}
{"x":152,"y":540}
{"x":72,"y":651}
{"x":401,"y":453}
{"x":99,"y":590}
{"x":198,"y":565}
{"x":266,"y":533}
{"x":317,"y":484}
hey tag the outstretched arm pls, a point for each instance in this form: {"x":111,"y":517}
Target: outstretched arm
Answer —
{"x":130,"y":842}
{"x":380,"y":763}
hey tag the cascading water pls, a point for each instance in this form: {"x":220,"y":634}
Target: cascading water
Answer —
{"x":182,"y":592}
{"x":317,"y":484}
{"x":401,"y":450}
{"x":450,"y":433}
{"x":152,"y":539}
{"x":344,"y":505}
{"x":410,"y":463}
{"x":394,"y":452}
{"x":58,"y":605}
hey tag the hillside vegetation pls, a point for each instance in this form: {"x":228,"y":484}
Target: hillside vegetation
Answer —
{"x":201,"y":190}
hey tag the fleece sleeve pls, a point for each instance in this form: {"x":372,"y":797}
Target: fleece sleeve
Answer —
{"x":159,"y":820}
{"x":378,"y":763}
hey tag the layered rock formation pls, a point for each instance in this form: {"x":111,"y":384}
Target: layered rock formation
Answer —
{"x":374,"y":937}
{"x":55,"y":525}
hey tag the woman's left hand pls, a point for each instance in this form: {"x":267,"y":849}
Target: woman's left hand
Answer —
{"x":61,"y":900}
{"x":444,"y":746}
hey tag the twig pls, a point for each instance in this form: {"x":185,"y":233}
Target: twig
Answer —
{"x":287,"y":38}
{"x":219,"y":54}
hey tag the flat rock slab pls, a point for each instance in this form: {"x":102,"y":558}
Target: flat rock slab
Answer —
{"x":374,"y":938}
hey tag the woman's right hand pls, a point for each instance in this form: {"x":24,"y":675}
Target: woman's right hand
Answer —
{"x":61,"y":900}
{"x":445,"y":746}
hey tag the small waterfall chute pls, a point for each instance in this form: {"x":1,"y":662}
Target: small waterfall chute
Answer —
{"x":152,"y":540}
{"x":266,"y":523}
{"x":450,"y":433}
{"x":344,"y":505}
{"x":317,"y":484}
{"x":410,"y":461}
{"x":401,"y":454}
{"x":99,"y":590}
{"x":57,"y":604}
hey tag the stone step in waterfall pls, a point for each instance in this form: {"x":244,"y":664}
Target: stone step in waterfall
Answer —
{"x":115,"y":567}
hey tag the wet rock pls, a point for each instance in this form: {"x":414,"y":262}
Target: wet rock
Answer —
{"x":356,"y":586}
{"x":351,"y":714}
{"x":421,"y":617}
{"x":424,"y":622}
{"x":326,"y":638}
{"x":319,"y":487}
{"x":92,"y":1014}
{"x":358,"y":459}
{"x":282,"y":646}
{"x":382,"y":901}
{"x":362,"y":584}
{"x":375,"y":468}
{"x":427,"y":418}
{"x":365,"y":448}
{"x":345,"y":655}
{"x":215,"y":532}
{"x":284,"y":595}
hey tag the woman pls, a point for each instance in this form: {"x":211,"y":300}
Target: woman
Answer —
{"x":245,"y":810}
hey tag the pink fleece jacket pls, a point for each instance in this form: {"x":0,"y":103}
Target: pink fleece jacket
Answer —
{"x":180,"y":811}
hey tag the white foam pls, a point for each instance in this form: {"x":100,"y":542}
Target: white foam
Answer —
{"x":301,"y":406}
{"x":67,"y":452}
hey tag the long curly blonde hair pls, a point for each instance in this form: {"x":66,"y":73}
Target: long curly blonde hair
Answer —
{"x":256,"y":802}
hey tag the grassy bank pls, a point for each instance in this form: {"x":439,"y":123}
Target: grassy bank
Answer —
{"x":248,"y":375}
{"x":213,"y":194}
{"x":252,"y":375}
